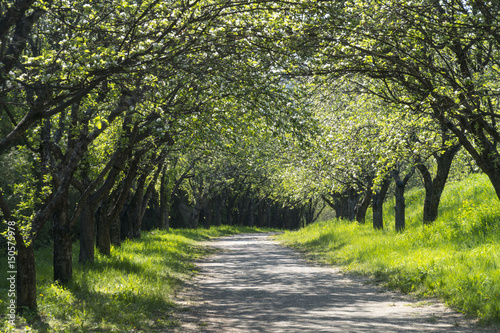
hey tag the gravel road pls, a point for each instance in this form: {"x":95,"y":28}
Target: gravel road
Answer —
{"x":253,"y":284}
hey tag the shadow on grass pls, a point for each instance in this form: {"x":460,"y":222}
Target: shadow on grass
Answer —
{"x":325,"y":242}
{"x":154,"y":261}
{"x":156,"y":265}
{"x":35,"y":321}
{"x":119,"y":311}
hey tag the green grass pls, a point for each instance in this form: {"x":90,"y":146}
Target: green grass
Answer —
{"x":130,"y":291}
{"x":456,"y":259}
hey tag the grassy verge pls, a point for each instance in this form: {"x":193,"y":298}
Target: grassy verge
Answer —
{"x":456,"y":259}
{"x":130,"y":291}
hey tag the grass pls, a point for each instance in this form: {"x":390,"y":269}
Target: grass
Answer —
{"x":130,"y":291}
{"x":457,"y":258}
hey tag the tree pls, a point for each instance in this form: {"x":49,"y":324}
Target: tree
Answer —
{"x":353,"y":154}
{"x":74,"y":73}
{"x":364,"y":138}
{"x":439,"y":57}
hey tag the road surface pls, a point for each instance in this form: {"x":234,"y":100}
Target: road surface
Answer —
{"x":253,"y":284}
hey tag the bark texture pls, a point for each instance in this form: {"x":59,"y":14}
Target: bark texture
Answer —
{"x":400,"y":207}
{"x":434,"y":186}
{"x":378,"y":199}
{"x":62,"y":251}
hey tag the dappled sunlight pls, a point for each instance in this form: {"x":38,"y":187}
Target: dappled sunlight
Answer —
{"x":456,"y":258}
{"x":256,"y":285}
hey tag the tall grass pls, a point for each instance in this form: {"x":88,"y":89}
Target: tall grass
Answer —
{"x":129,"y":291}
{"x":457,"y":258}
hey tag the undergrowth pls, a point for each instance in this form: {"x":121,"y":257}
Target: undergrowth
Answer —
{"x":129,"y":291}
{"x":457,"y":258}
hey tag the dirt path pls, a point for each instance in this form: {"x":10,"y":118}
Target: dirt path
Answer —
{"x":256,"y":285}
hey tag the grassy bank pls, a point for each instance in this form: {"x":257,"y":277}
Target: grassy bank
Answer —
{"x":456,"y":259}
{"x":130,"y":291}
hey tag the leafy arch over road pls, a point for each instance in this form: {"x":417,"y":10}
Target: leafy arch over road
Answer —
{"x":209,"y":112}
{"x":96,"y":96}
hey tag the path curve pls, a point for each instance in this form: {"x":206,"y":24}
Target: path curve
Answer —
{"x":253,"y":284}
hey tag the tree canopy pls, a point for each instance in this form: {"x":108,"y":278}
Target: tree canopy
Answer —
{"x":204,"y":112}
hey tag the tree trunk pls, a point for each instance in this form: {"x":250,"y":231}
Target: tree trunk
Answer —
{"x":25,"y":265}
{"x":352,"y":202}
{"x":229,"y":215}
{"x":87,"y":231}
{"x":293,"y":218}
{"x":144,"y":200}
{"x":62,"y":251}
{"x":362,"y":207}
{"x":434,"y":187}
{"x":251,"y":217}
{"x":494,"y":176}
{"x":335,"y":204}
{"x":137,"y":222}
{"x":217,"y":213}
{"x":26,"y":276}
{"x":103,"y":239}
{"x":208,"y":215}
{"x":308,"y":209}
{"x":131,"y":214}
{"x":244,"y":211}
{"x":109,"y":211}
{"x":285,"y":218}
{"x":103,"y":226}
{"x":134,"y":210}
{"x":261,"y":219}
{"x":315,"y":212}
{"x":166,"y":226}
{"x":125,"y":223}
{"x":400,"y":206}
{"x":195,"y":216}
{"x":378,"y":203}
{"x":164,"y":220}
{"x":115,"y":232}
{"x":344,"y":205}
{"x":268,"y":215}
{"x":92,"y":202}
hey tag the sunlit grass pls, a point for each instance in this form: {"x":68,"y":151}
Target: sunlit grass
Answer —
{"x":130,"y":291}
{"x":457,"y":258}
